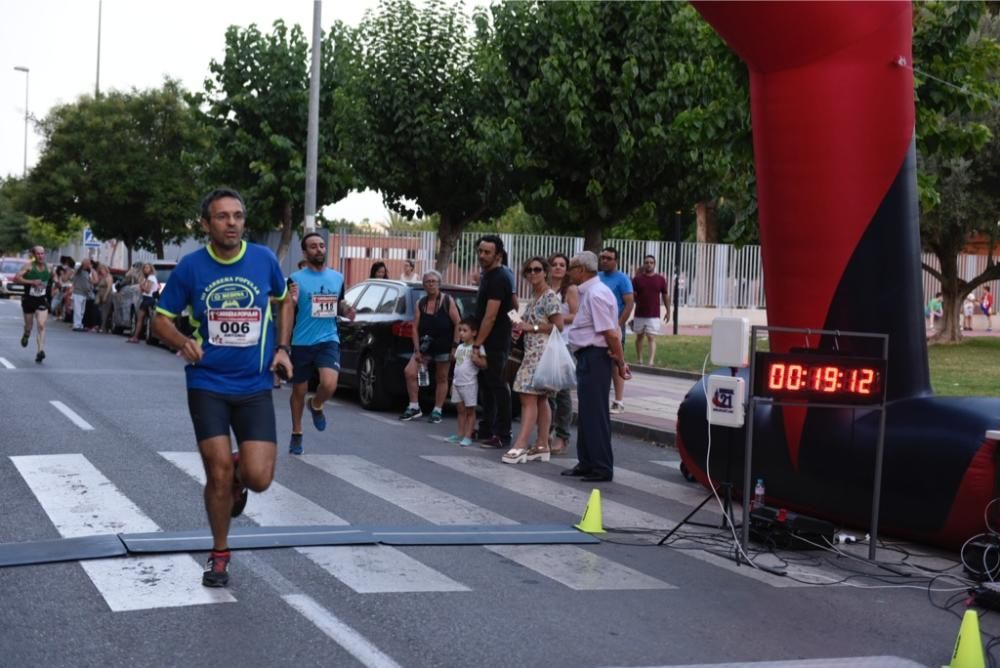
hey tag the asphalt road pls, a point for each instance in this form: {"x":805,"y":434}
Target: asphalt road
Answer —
{"x":623,"y":602}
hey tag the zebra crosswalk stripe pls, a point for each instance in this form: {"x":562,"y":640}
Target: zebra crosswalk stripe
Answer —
{"x":569,"y":565}
{"x":616,"y":514}
{"x":81,"y":501}
{"x":364,"y":568}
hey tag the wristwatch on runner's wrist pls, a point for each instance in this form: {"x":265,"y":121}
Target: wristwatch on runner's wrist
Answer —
{"x":287,"y":349}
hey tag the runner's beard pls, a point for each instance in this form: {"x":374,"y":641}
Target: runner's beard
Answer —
{"x":318,"y":262}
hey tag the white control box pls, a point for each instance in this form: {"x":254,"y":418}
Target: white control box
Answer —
{"x":731,"y":342}
{"x":725,"y":401}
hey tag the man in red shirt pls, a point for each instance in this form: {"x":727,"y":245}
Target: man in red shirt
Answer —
{"x":649,"y":288}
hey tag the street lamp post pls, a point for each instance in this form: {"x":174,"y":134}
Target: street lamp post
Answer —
{"x":19,"y":68}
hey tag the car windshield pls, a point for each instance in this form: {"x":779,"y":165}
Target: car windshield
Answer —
{"x":11,"y":267}
{"x":163,"y":273}
{"x":466,"y":301}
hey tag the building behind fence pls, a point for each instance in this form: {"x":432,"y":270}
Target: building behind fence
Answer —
{"x":710,"y":275}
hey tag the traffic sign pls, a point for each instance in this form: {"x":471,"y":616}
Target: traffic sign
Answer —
{"x":89,"y":240}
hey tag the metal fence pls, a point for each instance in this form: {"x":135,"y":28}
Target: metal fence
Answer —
{"x":710,"y":275}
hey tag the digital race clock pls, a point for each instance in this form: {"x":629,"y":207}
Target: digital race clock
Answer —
{"x":819,"y":377}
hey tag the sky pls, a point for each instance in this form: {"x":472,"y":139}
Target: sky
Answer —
{"x":141,"y":42}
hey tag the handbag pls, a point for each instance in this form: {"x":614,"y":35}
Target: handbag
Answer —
{"x":556,"y":368}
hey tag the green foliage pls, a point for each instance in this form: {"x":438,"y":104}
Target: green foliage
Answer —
{"x":130,"y":163}
{"x":515,"y":220}
{"x":955,"y":80}
{"x":257,"y":106}
{"x":411,"y":126}
{"x":610,"y":106}
{"x":14,"y":236}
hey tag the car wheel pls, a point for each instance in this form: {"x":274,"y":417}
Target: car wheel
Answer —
{"x":686,"y":473}
{"x":371,"y":385}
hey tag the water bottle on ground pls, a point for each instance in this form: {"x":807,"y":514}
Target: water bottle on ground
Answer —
{"x":758,"y":495}
{"x":423,"y":376}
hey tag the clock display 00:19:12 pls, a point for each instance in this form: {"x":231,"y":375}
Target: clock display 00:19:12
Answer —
{"x":826,"y":378}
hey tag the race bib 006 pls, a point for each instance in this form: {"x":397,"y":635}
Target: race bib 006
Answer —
{"x":237,"y":327}
{"x":324,"y":306}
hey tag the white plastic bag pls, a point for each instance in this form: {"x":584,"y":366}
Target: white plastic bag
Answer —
{"x":556,"y":369}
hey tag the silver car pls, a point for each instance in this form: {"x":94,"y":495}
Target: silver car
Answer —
{"x":9,"y":266}
{"x":125,"y":300}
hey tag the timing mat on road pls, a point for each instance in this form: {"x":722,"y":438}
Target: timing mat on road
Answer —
{"x":254,"y":538}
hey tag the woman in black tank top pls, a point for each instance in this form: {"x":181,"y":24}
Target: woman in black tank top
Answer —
{"x":434,"y":332}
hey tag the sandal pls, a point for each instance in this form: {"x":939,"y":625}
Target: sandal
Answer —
{"x":515,"y":456}
{"x":537,"y":452}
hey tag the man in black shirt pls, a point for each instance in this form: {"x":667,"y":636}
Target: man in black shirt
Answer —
{"x":492,"y":304}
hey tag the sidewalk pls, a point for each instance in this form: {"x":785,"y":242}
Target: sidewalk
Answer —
{"x":651,"y":403}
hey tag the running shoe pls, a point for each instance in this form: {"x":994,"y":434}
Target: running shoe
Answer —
{"x":319,"y":420}
{"x":454,"y":438}
{"x":239,"y":491}
{"x":435,"y":417}
{"x":411,"y":414}
{"x":24,"y":339}
{"x":217,"y":569}
{"x":617,"y":406}
{"x":295,"y":444}
{"x":40,"y":356}
{"x":466,"y":442}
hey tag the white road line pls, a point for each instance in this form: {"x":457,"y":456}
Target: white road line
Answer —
{"x":80,"y":501}
{"x":364,"y":568}
{"x":357,"y":645}
{"x":5,"y":363}
{"x":686,"y":493}
{"x":615,"y":514}
{"x":567,"y":564}
{"x":71,"y":414}
{"x":383,"y":420}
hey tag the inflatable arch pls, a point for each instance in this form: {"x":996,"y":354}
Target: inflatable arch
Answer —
{"x":831,"y":89}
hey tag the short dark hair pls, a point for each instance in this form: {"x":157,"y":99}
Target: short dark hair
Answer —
{"x":311,"y":234}
{"x":220,"y":193}
{"x":611,"y":249}
{"x":491,"y":239}
{"x":376,"y":267}
{"x":471,"y":322}
{"x":646,"y":257}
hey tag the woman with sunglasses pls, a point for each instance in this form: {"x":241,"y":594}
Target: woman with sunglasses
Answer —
{"x":542,"y":314}
{"x":561,"y":404}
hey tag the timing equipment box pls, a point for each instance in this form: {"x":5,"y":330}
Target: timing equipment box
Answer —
{"x":777,"y":527}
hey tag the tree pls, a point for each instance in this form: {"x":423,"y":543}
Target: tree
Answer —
{"x":257,"y":105}
{"x":411,"y":128}
{"x":610,"y":107}
{"x":957,"y":80}
{"x":14,"y":236}
{"x":131,"y":164}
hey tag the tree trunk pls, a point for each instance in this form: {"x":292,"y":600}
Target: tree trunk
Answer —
{"x":593,"y":235}
{"x":128,"y":251}
{"x":159,"y":247}
{"x":708,"y":226}
{"x":448,"y":234}
{"x":949,"y":328}
{"x":286,"y":231}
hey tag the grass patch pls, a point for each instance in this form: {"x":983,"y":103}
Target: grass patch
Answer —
{"x":970,"y":368}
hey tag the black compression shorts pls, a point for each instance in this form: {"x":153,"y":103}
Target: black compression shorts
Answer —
{"x":250,"y":416}
{"x":31,"y":304}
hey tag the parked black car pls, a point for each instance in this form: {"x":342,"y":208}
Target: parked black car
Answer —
{"x":375,"y":348}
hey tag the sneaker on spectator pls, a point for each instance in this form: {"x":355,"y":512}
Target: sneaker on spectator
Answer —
{"x":435,"y":417}
{"x":411,"y":414}
{"x":617,"y":406}
{"x":493,"y":443}
{"x":454,"y":438}
{"x":217,"y":569}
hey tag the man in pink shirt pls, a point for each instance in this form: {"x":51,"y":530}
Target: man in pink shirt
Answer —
{"x":595,"y":339}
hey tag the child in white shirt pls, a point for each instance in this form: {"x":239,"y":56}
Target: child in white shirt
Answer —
{"x":465,"y":386}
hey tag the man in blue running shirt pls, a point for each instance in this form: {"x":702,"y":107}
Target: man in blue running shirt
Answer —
{"x":228,"y":285}
{"x":315,"y":338}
